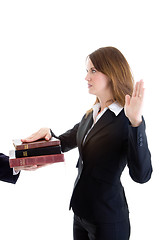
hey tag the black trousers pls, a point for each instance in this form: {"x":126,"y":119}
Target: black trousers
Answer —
{"x":83,"y":230}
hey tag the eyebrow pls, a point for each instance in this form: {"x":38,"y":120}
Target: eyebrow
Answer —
{"x":92,"y":68}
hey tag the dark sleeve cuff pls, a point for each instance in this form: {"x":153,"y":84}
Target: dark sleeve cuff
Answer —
{"x":139,"y":157}
{"x":53,"y":135}
{"x":6,"y":173}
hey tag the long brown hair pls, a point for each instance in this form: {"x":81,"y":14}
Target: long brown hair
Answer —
{"x":111,"y":62}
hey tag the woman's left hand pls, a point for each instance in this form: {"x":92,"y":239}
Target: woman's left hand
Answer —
{"x":133,"y":105}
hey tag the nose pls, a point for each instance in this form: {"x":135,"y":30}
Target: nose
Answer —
{"x":87,"y":78}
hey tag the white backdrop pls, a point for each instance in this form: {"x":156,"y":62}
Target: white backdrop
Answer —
{"x":43,"y":47}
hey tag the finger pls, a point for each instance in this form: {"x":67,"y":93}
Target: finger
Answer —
{"x":48,"y":136}
{"x":138,"y":89}
{"x":42,"y":133}
{"x":30,"y":168}
{"x":31,"y":138}
{"x":35,"y":136}
{"x":43,"y":165}
{"x":25,"y":168}
{"x":141,"y":89}
{"x":135,"y":90}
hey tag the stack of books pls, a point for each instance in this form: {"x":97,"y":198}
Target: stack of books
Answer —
{"x":35,"y":153}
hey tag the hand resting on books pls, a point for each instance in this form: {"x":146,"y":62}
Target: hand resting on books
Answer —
{"x":41,"y":133}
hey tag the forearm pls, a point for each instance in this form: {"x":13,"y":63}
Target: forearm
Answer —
{"x":139,"y":157}
{"x":68,"y":139}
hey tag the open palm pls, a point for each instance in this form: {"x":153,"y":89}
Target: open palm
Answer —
{"x":134,"y":103}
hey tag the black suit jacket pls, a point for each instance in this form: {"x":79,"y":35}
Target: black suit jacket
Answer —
{"x":98,"y":195}
{"x":6,"y":173}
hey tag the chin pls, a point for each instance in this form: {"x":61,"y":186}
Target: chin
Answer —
{"x":91,"y":92}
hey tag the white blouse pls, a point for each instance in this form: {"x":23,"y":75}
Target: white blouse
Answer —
{"x":114,"y":107}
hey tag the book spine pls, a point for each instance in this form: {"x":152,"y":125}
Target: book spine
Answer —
{"x":37,"y":144}
{"x":37,"y":160}
{"x":38,"y":151}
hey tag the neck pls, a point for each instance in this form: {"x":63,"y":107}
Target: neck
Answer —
{"x":106,"y":101}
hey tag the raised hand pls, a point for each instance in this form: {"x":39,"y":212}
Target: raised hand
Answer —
{"x":42,"y":133}
{"x":133,"y":105}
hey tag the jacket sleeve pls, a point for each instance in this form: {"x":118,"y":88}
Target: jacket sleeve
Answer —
{"x":68,"y":139}
{"x":6,"y":173}
{"x":139,"y":157}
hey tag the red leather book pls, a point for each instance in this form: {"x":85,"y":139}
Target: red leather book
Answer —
{"x":19,"y":145}
{"x":36,"y":160}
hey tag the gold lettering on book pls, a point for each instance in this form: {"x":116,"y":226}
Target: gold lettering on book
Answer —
{"x":25,"y":154}
{"x":22,"y":162}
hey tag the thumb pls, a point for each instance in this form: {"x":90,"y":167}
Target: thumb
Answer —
{"x":127,"y":100}
{"x":48,"y":136}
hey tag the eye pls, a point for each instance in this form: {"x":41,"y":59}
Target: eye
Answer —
{"x":93,"y":70}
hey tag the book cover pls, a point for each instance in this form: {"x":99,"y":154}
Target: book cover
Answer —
{"x":36,"y":160}
{"x":38,"y":151}
{"x":19,"y":145}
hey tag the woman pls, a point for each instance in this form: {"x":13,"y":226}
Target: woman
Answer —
{"x":110,"y":136}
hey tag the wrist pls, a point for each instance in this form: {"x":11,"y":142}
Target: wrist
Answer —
{"x":15,"y":171}
{"x":136,"y":122}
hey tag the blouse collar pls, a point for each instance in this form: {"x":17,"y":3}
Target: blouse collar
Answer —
{"x":114,"y":107}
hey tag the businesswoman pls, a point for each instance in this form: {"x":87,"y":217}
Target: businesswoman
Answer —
{"x":110,"y":136}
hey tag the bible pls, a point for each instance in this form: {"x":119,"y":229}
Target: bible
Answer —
{"x":35,"y":160}
{"x":38,"y":151}
{"x":19,"y":145}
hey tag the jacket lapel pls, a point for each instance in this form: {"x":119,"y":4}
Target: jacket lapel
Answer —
{"x":85,"y":126}
{"x":106,"y":119}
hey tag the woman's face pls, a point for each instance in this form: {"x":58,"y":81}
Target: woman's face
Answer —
{"x":98,"y":83}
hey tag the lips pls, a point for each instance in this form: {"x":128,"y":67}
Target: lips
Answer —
{"x":89,"y":85}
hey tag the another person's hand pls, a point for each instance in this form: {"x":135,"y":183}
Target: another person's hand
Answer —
{"x":30,"y":168}
{"x":42,"y":133}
